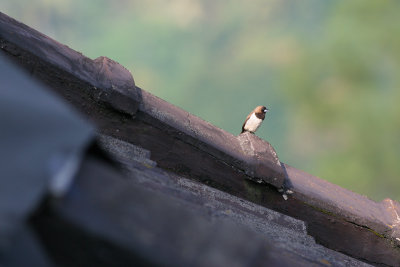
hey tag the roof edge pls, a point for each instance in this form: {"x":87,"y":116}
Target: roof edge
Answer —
{"x":141,"y":118}
{"x":114,"y":85}
{"x":114,"y":80}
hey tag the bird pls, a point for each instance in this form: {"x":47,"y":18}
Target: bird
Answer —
{"x":254,"y":119}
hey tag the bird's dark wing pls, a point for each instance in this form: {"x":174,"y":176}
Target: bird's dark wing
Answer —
{"x":247,"y":118}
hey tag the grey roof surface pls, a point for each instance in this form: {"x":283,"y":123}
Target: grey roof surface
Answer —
{"x":288,"y":236}
{"x":213,"y":193}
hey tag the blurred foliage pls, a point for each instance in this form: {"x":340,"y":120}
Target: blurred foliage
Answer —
{"x":328,"y":70}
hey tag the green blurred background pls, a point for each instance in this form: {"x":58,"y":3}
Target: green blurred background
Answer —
{"x":328,"y":70}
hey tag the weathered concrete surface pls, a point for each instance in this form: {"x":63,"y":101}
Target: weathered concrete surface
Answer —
{"x":119,"y":223}
{"x":287,"y":234}
{"x":259,"y":165}
{"x":109,"y":81}
{"x":259,"y":152}
{"x":160,"y":218}
{"x":186,"y":145}
{"x":125,"y":152}
{"x":105,"y":82}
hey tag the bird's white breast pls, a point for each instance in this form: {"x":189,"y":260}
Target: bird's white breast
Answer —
{"x":252,"y":123}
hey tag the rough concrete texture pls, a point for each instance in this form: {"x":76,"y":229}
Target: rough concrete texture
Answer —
{"x":113,"y":86}
{"x":259,"y":152}
{"x":261,"y":164}
{"x":186,"y":145}
{"x":124,"y":152}
{"x":108,"y":78}
{"x":286,"y":234}
{"x":353,"y":207}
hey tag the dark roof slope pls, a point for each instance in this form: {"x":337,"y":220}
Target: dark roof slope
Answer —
{"x":286,"y":237}
{"x":166,"y":219}
{"x":245,"y":167}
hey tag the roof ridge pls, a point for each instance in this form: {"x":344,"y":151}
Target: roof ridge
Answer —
{"x":187,"y":145}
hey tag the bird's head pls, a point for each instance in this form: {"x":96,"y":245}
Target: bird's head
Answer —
{"x":261,"y":110}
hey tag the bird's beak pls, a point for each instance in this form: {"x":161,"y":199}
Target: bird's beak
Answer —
{"x":266,"y":110}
